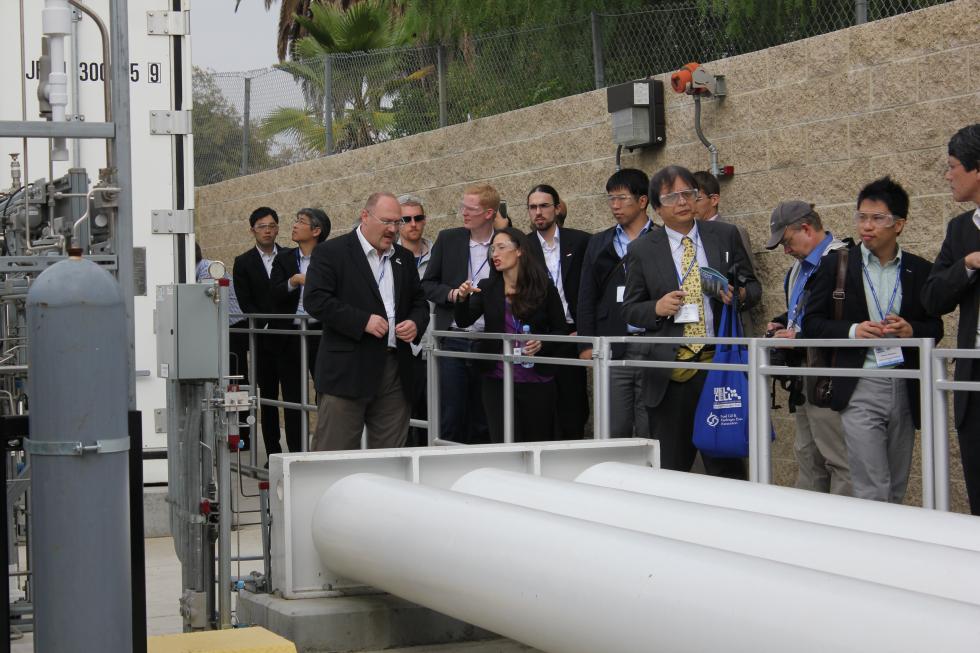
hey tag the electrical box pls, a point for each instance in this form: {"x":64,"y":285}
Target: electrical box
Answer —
{"x":187,"y":324}
{"x":637,"y":110}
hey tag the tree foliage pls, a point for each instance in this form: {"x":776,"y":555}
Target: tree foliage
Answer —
{"x":218,"y":135}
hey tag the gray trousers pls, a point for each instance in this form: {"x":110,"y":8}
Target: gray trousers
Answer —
{"x":880,"y":435}
{"x":627,"y":412}
{"x":820,"y":451}
{"x":340,"y":421}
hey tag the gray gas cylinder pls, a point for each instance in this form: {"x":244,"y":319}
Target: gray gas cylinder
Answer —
{"x":77,"y":389}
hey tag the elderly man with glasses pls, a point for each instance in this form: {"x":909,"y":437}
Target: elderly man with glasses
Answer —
{"x":882,"y":289}
{"x":365,"y":290}
{"x":461,"y":254}
{"x":664,"y":295}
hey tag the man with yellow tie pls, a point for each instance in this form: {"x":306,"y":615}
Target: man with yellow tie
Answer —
{"x":664,"y":294}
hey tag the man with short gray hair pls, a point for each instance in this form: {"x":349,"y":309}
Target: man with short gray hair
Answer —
{"x":819,"y":443}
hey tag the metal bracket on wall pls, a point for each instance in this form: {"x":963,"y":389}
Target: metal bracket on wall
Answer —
{"x":169,"y":123}
{"x":172,"y":221}
{"x":48,"y":448}
{"x":168,"y":23}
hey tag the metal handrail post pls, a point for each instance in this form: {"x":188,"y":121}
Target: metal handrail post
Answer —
{"x":432,"y":389}
{"x":304,"y":389}
{"x":753,"y":400}
{"x":229,"y":424}
{"x":926,"y":431}
{"x":266,"y":535}
{"x":597,"y":382}
{"x":940,"y":433}
{"x":763,"y":424}
{"x":508,"y":392}
{"x":255,"y":409}
{"x":604,"y":371}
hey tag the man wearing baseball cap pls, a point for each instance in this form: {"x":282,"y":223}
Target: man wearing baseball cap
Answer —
{"x":819,"y":445}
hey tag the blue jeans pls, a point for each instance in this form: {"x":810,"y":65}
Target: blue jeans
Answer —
{"x":461,"y":415}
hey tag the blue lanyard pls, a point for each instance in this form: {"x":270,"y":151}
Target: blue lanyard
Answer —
{"x":690,"y":267}
{"x":516,"y":323}
{"x":795,"y":309}
{"x":469,"y":264}
{"x":618,"y":244}
{"x":874,"y":294}
{"x":384,"y":259}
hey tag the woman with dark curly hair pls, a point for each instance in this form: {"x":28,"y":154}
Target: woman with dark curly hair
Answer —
{"x":518,"y":294}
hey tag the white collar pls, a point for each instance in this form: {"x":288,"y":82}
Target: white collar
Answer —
{"x":676,"y":238}
{"x":368,"y":247}
{"x":976,"y":217}
{"x":868,"y":256}
{"x":544,"y":243}
{"x":275,"y":250}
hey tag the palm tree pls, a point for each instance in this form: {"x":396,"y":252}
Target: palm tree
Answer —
{"x":291,"y":31}
{"x":360,"y":85}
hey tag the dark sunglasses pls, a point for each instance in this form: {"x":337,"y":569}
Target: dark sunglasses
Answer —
{"x":407,"y":219}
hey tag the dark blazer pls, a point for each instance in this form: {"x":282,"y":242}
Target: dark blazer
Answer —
{"x":651,"y":275}
{"x":342,"y":293}
{"x":948,"y":286}
{"x":449,"y":267}
{"x":572,"y":244}
{"x":252,"y":285}
{"x":283,"y":268}
{"x":548,"y":318}
{"x":819,"y":322}
{"x":599,"y":314}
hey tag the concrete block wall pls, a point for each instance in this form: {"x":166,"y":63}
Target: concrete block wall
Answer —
{"x":814,"y":119}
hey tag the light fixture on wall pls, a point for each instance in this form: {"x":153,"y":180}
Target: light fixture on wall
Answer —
{"x":637,"y":110}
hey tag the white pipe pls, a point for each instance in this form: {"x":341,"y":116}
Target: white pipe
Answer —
{"x":56,"y":25}
{"x":947,"y":529}
{"x":572,"y":586}
{"x":928,"y":568}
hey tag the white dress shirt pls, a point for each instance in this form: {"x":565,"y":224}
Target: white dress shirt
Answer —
{"x":552,"y":261}
{"x":381,"y":269}
{"x":479,"y":269}
{"x":267,"y":259}
{"x":304,"y":265}
{"x":674,"y":238}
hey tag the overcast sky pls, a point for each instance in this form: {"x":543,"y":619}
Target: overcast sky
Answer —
{"x":225,"y":40}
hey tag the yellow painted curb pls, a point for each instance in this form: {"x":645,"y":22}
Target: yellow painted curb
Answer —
{"x":235,"y":640}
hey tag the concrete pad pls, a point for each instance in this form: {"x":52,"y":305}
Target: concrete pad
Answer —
{"x":357,"y":623}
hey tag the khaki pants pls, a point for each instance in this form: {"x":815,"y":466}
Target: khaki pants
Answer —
{"x":340,"y":421}
{"x":820,"y":451}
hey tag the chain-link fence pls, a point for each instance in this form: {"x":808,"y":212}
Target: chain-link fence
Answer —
{"x":299,"y":110}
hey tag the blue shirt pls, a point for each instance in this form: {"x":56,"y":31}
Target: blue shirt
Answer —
{"x":808,"y":266}
{"x":621,"y":243}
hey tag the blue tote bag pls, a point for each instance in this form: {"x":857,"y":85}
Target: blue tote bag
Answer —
{"x":721,"y":420}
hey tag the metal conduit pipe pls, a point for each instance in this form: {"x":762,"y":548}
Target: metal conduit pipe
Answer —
{"x":933,"y":569}
{"x":946,"y":529}
{"x":106,"y":80}
{"x":647,"y":593}
{"x":712,"y":148}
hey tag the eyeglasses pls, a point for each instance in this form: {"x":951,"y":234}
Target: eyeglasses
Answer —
{"x":471,"y":210}
{"x":388,"y":224}
{"x":618,"y":199}
{"x":408,"y":219}
{"x":266,"y":227}
{"x":878,"y":219}
{"x":670,"y":199}
{"x":501,"y":247}
{"x":788,"y":234}
{"x":544,"y":205}
{"x":305,"y":223}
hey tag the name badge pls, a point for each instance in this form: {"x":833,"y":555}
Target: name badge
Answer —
{"x":620,"y":293}
{"x":687,"y":314}
{"x":888,"y":356}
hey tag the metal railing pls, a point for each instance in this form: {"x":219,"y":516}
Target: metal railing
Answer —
{"x":931,"y":374}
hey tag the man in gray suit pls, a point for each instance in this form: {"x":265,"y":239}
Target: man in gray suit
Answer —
{"x":664,"y":295}
{"x":707,"y":207}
